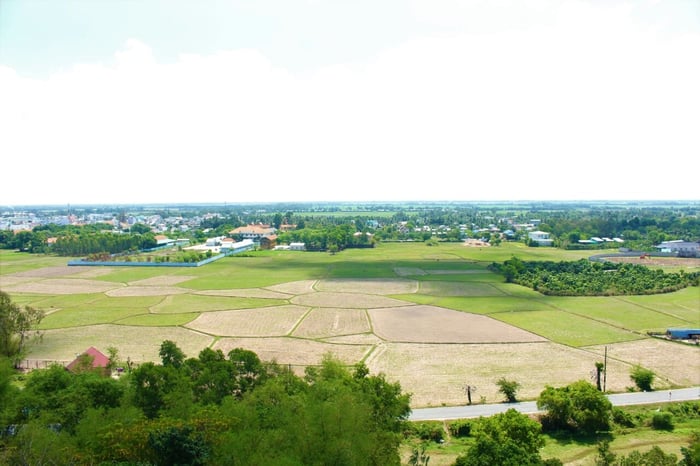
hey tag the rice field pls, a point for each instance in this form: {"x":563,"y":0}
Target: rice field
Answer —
{"x":431,"y":318}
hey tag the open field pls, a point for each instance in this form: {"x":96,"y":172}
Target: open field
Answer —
{"x":430,"y":317}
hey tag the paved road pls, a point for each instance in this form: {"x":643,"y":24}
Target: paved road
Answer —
{"x":530,"y":407}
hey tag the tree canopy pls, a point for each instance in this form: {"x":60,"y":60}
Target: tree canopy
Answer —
{"x":17,"y":325}
{"x":213,"y":409}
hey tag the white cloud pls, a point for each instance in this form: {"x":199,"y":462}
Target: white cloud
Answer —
{"x":590,"y":103}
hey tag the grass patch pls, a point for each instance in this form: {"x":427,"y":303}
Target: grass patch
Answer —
{"x":565,"y":328}
{"x":131,"y":274}
{"x":449,"y":288}
{"x":81,"y":317}
{"x":683,"y":304}
{"x":158,"y":320}
{"x":492,"y":305}
{"x":619,"y":313}
{"x":80,"y":310}
{"x":466,"y":276}
{"x":14,"y":262}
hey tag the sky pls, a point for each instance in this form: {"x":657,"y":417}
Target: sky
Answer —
{"x":126,"y":101}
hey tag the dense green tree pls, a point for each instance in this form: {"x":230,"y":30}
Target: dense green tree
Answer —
{"x":509,"y":389}
{"x":506,"y":439}
{"x":156,"y":388}
{"x":578,"y":406}
{"x":691,"y":453}
{"x":643,"y":378}
{"x":17,"y":326}
{"x":170,"y":354}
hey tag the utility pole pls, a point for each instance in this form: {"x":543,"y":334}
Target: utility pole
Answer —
{"x":469,"y":389}
{"x":605,"y":368}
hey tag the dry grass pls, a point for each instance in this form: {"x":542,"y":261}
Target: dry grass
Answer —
{"x":654,"y":261}
{"x":674,"y":363}
{"x":357,"y":339}
{"x":50,"y":272}
{"x":368,"y":286}
{"x":140,"y":344}
{"x":161,"y":280}
{"x":294,"y":351}
{"x":324,"y":323}
{"x":346,"y":300}
{"x":62,"y":286}
{"x":432,"y":324}
{"x":246,"y":293}
{"x":146,"y":291}
{"x":299,"y":287}
{"x":436,"y":373}
{"x":260,"y":322}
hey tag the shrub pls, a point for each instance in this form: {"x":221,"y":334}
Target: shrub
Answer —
{"x":642,"y":378}
{"x":662,"y":420}
{"x":460,"y":428}
{"x":433,"y":431}
{"x":623,"y":418}
{"x":509,"y":389}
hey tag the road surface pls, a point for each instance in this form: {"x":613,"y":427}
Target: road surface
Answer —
{"x":530,"y":407}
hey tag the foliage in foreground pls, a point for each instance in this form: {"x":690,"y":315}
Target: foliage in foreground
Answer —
{"x":215,"y":409}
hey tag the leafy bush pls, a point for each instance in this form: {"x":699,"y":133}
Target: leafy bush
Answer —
{"x":662,"y":420}
{"x":509,"y":389}
{"x":685,"y":411}
{"x":623,"y":418}
{"x":642,"y":378}
{"x":433,"y":431}
{"x":460,"y":428}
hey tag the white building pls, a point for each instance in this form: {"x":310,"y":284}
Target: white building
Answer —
{"x":541,"y":238}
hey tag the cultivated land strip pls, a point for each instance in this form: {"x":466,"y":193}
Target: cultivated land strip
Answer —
{"x":470,"y":327}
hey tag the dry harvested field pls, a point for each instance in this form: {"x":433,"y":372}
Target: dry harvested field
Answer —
{"x":432,"y":324}
{"x":261,"y":322}
{"x":654,"y":261}
{"x":61,"y":286}
{"x":433,"y":351}
{"x":677,"y":363}
{"x":437,"y":373}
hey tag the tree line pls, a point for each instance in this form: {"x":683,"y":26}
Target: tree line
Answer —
{"x":587,"y":278}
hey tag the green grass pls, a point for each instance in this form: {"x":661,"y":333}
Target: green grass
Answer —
{"x":131,"y":274}
{"x":683,"y":304}
{"x":620,"y":313}
{"x":445,"y":288}
{"x":158,"y":320}
{"x":14,"y":262}
{"x":186,"y":303}
{"x":489,"y":305}
{"x":82,"y":317}
{"x":92,"y":309}
{"x":563,"y":327}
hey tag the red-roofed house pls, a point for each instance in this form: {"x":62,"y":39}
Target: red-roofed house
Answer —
{"x":91,"y":359}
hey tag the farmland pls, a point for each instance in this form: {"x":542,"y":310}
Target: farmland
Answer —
{"x":430,"y":317}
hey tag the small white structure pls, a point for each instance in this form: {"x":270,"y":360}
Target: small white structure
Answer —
{"x":297,"y":246}
{"x":541,"y":238}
